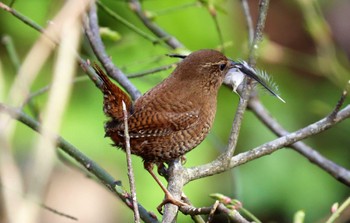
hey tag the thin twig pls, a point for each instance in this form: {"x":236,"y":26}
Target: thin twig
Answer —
{"x":176,"y":8}
{"x":338,"y":172}
{"x":46,"y":88}
{"x":195,"y":218}
{"x":105,"y":178}
{"x":120,"y":19}
{"x":233,"y":215}
{"x":249,"y":20}
{"x":338,"y":212}
{"x":235,"y":205}
{"x":212,"y":11}
{"x":216,"y":167}
{"x":85,"y":65}
{"x":340,"y":101}
{"x":59,"y":213}
{"x":90,"y":165}
{"x":22,"y":18}
{"x":171,"y":41}
{"x":236,"y":125}
{"x":212,"y":211}
{"x":129,"y":164}
{"x":11,"y":51}
{"x":42,"y":205}
{"x":92,"y":33}
{"x":152,"y":71}
{"x":258,"y":34}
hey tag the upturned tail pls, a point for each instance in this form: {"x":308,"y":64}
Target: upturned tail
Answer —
{"x":113,"y":97}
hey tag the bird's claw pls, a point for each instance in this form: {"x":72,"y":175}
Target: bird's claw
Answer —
{"x":172,"y":200}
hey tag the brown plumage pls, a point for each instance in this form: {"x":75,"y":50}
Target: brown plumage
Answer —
{"x":173,"y":117}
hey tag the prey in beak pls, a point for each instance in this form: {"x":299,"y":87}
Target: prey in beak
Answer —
{"x":240,"y":69}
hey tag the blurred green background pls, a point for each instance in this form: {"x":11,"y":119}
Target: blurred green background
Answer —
{"x":305,"y":49}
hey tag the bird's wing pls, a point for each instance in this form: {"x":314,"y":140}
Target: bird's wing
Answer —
{"x":147,"y":123}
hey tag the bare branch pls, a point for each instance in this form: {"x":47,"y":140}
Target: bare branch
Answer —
{"x":224,"y":158}
{"x":338,"y":172}
{"x":11,"y":51}
{"x":22,"y":18}
{"x":216,"y":166}
{"x":232,"y":214}
{"x":339,"y":211}
{"x":258,"y":34}
{"x":59,"y":213}
{"x":92,"y":32}
{"x":129,"y":164}
{"x":152,"y":71}
{"x":126,"y":23}
{"x":175,"y":187}
{"x":85,"y":65}
{"x":213,"y":13}
{"x":249,"y":20}
{"x":171,"y":41}
{"x":341,"y":101}
{"x":106,"y":179}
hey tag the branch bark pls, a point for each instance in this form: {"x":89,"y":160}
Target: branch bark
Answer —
{"x":216,"y":166}
{"x":92,"y":33}
{"x":171,"y":41}
{"x":178,"y":175}
{"x":105,"y":178}
{"x":338,"y":172}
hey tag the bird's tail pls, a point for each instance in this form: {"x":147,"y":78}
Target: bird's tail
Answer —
{"x":113,"y":97}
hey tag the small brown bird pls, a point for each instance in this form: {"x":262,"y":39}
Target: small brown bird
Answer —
{"x":175,"y":116}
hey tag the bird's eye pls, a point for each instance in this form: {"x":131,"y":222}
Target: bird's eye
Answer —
{"x":222,"y":66}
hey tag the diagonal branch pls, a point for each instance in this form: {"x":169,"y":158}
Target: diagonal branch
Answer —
{"x":106,"y":179}
{"x":338,"y":172}
{"x":92,"y":33}
{"x":171,"y":41}
{"x":120,"y":19}
{"x":215,"y":167}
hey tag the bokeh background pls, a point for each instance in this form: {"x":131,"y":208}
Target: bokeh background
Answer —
{"x":306,"y":50}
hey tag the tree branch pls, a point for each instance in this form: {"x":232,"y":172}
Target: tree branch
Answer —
{"x":338,"y":172}
{"x":233,"y":215}
{"x":224,"y":159}
{"x":215,"y":167}
{"x":152,"y":71}
{"x":171,"y":41}
{"x":249,"y":20}
{"x":125,"y":22}
{"x":129,"y":164}
{"x":175,"y":187}
{"x":106,"y":179}
{"x":92,"y":33}
{"x":258,"y":34}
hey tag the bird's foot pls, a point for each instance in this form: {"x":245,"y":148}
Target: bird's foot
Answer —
{"x":170,"y":199}
{"x":162,"y":170}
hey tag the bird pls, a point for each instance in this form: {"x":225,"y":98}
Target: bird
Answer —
{"x":173,"y":117}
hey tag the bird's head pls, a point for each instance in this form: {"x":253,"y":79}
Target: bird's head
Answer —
{"x":206,"y":68}
{"x":210,"y":69}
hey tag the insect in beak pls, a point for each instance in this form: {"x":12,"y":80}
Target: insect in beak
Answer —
{"x":235,"y":77}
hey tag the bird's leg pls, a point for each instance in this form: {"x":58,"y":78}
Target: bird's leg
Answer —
{"x":168,"y":197}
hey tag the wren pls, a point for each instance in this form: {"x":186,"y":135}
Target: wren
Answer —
{"x":175,"y":116}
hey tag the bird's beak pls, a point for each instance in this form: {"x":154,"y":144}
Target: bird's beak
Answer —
{"x":247,"y":70}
